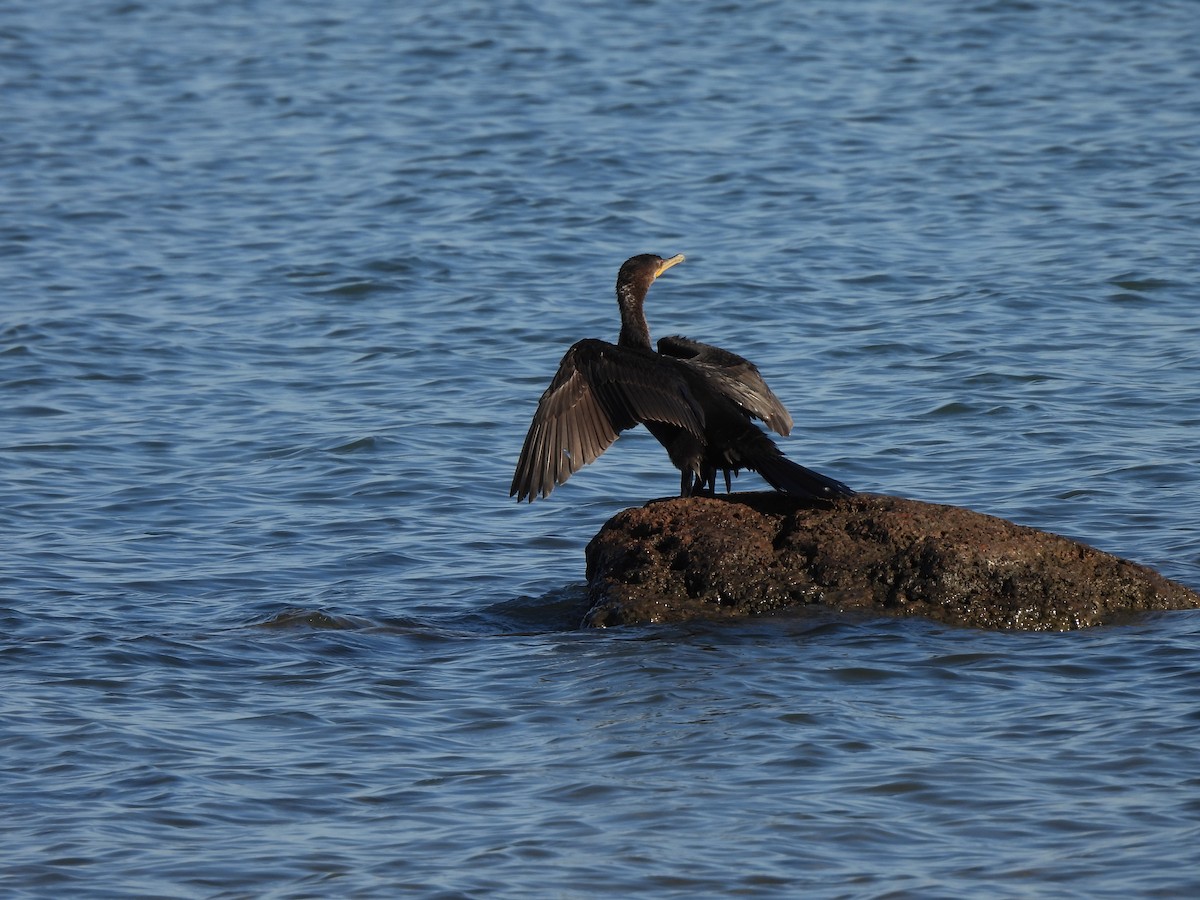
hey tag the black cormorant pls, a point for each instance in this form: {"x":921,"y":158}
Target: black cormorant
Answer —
{"x":696,"y":399}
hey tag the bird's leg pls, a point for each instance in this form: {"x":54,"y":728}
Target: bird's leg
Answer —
{"x":728,"y":486}
{"x":685,"y":483}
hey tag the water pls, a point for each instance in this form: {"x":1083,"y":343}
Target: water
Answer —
{"x":281,"y":285}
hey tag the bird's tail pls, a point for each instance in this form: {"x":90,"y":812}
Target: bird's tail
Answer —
{"x":792,"y":478}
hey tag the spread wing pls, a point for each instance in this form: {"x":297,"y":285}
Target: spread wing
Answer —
{"x":599,"y":391}
{"x":735,"y":377}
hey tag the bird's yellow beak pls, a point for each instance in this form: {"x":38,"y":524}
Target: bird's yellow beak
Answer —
{"x":667,"y":263}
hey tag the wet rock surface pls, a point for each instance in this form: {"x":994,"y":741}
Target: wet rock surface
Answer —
{"x":751,"y":553}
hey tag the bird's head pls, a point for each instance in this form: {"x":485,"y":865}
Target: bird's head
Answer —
{"x":638,"y":273}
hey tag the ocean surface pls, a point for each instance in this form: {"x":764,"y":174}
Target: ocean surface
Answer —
{"x":280,"y":285}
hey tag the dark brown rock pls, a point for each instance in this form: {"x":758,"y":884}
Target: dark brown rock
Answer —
{"x":745,"y":554}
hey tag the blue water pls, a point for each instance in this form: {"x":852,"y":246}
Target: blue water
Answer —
{"x":281,"y":284}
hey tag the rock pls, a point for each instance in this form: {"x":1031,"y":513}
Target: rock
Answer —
{"x":750,"y":553}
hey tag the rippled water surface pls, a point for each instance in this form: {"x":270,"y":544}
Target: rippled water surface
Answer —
{"x":281,"y":285}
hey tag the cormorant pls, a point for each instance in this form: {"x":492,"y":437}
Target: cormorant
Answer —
{"x":696,"y":399}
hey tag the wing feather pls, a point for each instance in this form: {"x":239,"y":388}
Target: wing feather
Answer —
{"x":599,"y":391}
{"x":734,"y":376}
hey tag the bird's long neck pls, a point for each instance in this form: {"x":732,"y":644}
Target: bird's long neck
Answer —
{"x":634,"y":330}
